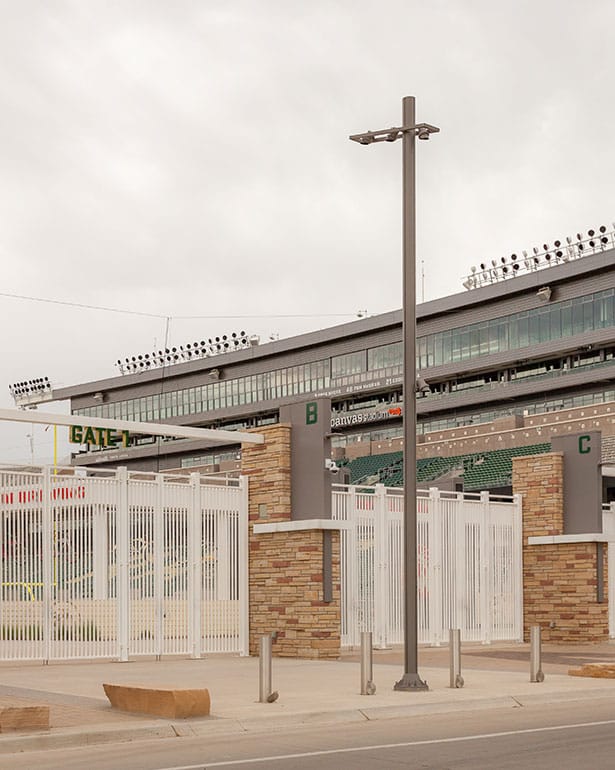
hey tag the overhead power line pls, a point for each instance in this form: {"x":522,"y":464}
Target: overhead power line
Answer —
{"x":83,"y":306}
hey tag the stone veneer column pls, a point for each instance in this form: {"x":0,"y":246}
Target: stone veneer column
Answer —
{"x":286,"y":567}
{"x":559,"y":577}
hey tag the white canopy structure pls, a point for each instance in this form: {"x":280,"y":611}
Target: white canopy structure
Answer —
{"x":147,"y":428}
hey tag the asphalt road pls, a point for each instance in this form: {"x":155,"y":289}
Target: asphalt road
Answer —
{"x":549,"y":736}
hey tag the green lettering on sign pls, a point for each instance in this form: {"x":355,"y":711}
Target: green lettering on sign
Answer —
{"x":110,"y":438}
{"x":311,"y":413}
{"x":99,"y":436}
{"x":584,"y":449}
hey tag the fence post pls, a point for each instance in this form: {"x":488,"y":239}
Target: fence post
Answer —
{"x":48,"y":546}
{"x":243,"y":556}
{"x":123,"y":555}
{"x":381,"y":595}
{"x":458,"y":565}
{"x":486,"y":572}
{"x":350,"y":576}
{"x":158,"y":569}
{"x":195,"y":567}
{"x":433,"y":548}
{"x":608,"y":527}
{"x":517,"y":557}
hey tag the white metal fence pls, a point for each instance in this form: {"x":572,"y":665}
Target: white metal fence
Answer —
{"x":112,"y":564}
{"x":608,"y":527}
{"x":469,"y":571}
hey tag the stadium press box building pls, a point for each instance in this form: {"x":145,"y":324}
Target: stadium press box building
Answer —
{"x":529,"y":341}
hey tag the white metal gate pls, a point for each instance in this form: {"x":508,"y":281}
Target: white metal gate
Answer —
{"x":608,"y":527}
{"x":112,"y":564}
{"x":469,"y":570}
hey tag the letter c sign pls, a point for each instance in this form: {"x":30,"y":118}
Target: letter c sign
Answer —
{"x":584,"y":445}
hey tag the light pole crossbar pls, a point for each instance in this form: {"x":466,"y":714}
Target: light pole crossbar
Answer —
{"x":422,"y":130}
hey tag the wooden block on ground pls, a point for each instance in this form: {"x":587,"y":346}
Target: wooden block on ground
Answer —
{"x":598,"y":670}
{"x":162,"y":702}
{"x":24,"y":718}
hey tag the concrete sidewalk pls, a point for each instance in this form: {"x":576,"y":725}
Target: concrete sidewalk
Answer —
{"x":311,"y":692}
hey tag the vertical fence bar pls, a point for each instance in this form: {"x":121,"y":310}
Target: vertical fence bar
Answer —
{"x":608,"y":527}
{"x":123,"y":549}
{"x":48,"y":560}
{"x":486,"y":576}
{"x":243,"y":588}
{"x":380,"y":567}
{"x":434,"y":546}
{"x":517,"y":564}
{"x":158,"y":564}
{"x":195,"y":566}
{"x":352,"y":580}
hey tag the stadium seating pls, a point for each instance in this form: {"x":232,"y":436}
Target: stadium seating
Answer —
{"x":483,"y":470}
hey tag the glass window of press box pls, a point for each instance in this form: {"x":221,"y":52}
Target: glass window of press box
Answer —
{"x":518,"y":330}
{"x":252,"y":389}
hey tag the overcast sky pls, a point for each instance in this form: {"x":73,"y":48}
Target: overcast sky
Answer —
{"x":191,"y":158}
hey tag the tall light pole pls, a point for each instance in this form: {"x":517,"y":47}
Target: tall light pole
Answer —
{"x":408,"y":132}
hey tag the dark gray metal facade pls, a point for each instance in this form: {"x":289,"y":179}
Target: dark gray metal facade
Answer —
{"x":593,"y":273}
{"x":582,"y":481}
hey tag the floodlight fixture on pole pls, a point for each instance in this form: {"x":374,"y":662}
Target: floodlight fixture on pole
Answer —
{"x":28,"y":393}
{"x":408,"y":132}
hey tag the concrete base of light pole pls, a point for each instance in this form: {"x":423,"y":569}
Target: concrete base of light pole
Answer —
{"x":411,"y":683}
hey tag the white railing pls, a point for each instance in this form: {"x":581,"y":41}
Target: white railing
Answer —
{"x":112,"y":564}
{"x":469,"y":571}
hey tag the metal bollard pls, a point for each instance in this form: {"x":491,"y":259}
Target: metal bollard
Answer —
{"x":536,"y":673}
{"x":264,"y":671}
{"x":367,"y":684}
{"x":454,"y":640}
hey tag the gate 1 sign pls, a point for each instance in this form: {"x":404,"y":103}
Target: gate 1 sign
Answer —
{"x":98,"y":436}
{"x":582,"y":481}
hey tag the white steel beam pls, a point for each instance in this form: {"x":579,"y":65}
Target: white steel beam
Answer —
{"x":147,"y":428}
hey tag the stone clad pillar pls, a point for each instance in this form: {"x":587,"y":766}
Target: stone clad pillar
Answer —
{"x":560,"y":572}
{"x":294,"y":566}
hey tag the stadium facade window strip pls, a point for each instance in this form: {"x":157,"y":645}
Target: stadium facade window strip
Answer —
{"x":290,"y":381}
{"x":518,"y":330}
{"x":252,"y":389}
{"x":350,"y":363}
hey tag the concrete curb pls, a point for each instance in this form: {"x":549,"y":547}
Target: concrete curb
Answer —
{"x":63,"y":738}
